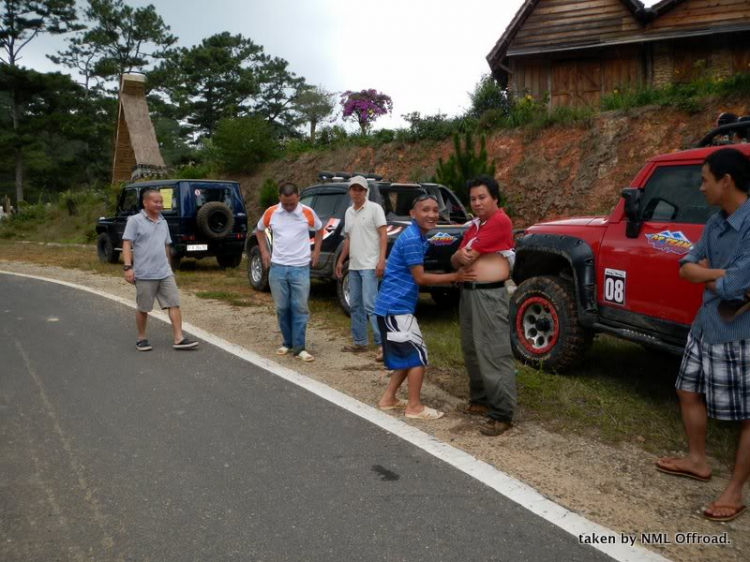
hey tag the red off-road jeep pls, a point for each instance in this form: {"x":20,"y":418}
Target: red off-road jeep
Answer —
{"x":616,"y":274}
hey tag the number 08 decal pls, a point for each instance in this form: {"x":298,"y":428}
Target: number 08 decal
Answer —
{"x":614,"y":286}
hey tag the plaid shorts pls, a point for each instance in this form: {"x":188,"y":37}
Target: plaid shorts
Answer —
{"x":722,"y":373}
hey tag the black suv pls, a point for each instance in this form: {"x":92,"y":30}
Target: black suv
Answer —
{"x":330,"y":200}
{"x":205,"y":218}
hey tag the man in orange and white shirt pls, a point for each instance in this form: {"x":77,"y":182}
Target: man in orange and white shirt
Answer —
{"x":290,"y":223}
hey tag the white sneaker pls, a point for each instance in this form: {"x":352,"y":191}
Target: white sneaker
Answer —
{"x":305,"y":356}
{"x":282,"y":350}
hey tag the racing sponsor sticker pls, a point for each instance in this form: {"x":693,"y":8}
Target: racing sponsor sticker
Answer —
{"x":670,"y":242}
{"x":442,"y":239}
{"x":614,"y":286}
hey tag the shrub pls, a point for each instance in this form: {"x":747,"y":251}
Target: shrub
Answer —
{"x":488,"y":96}
{"x":268,"y":194}
{"x":241,"y":144}
{"x":492,"y":119}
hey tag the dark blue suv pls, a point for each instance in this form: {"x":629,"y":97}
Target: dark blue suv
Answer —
{"x":205,"y":217}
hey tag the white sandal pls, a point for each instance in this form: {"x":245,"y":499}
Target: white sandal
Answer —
{"x":305,"y":356}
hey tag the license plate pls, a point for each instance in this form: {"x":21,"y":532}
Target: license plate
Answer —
{"x":197,"y":247}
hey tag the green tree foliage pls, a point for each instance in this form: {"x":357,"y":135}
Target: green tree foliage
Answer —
{"x":120,"y":39}
{"x":21,"y":21}
{"x":241,"y":144}
{"x":487,"y":96}
{"x":268,"y":194}
{"x":66,"y":138}
{"x":214,"y":80}
{"x":464,"y":164}
{"x":315,"y":105}
{"x":277,"y":89}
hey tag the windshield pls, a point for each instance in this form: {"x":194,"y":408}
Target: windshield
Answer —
{"x":397,"y":201}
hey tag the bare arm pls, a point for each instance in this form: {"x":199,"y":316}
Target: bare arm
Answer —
{"x":423,"y":278}
{"x":342,"y":258}
{"x":264,"y":255}
{"x":316,"y":246}
{"x":127,"y":258}
{"x":463,"y":257}
{"x":383,"y":234}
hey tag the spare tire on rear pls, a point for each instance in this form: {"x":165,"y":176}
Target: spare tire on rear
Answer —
{"x":215,"y":220}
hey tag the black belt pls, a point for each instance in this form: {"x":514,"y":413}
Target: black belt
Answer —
{"x":470,"y":285}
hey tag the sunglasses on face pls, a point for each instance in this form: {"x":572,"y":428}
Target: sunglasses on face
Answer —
{"x":423,"y":197}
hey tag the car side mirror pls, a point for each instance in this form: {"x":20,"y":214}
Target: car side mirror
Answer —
{"x":632,"y":197}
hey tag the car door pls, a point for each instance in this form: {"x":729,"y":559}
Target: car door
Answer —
{"x":638,"y":279}
{"x":330,"y":205}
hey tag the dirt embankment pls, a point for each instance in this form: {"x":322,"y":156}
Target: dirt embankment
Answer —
{"x":547,"y":174}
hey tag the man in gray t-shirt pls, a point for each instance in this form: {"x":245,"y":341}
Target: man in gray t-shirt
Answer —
{"x":145,"y":251}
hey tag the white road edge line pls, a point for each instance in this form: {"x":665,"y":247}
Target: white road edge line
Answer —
{"x":502,"y":483}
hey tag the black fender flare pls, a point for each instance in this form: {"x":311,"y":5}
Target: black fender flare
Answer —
{"x":550,"y":254}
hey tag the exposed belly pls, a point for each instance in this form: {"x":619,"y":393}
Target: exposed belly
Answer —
{"x":490,"y":268}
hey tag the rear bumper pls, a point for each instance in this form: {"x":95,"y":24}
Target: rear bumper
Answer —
{"x":214,"y":248}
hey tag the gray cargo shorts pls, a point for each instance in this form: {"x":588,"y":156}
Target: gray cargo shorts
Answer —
{"x":163,"y":290}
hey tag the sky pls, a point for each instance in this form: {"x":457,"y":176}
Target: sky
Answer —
{"x":426,"y":54}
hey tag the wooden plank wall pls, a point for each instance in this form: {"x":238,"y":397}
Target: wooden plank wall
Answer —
{"x":702,"y":14}
{"x":564,"y":22}
{"x":531,"y":76}
{"x":579,"y":81}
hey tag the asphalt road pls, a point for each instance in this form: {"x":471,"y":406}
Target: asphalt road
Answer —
{"x":111,"y":454}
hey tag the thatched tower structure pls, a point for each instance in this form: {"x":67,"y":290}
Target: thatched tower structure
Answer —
{"x":136,"y":149}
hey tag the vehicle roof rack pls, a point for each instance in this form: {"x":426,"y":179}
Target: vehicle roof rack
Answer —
{"x":333,"y":176}
{"x":741,"y":127}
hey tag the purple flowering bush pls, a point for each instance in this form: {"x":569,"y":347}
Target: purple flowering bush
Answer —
{"x":365,"y":106}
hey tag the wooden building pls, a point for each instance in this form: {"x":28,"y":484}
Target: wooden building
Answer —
{"x":578,"y":50}
{"x":137,"y":153}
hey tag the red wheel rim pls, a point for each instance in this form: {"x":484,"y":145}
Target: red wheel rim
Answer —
{"x":537,"y":325}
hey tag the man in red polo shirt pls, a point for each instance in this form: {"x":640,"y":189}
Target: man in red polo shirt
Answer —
{"x":487,"y":252}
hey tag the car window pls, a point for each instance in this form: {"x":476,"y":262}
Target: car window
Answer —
{"x":672,"y":194}
{"x":453,"y":205}
{"x":129,"y":202}
{"x":205,"y":195}
{"x":397,"y":202}
{"x":330,"y":205}
{"x":307,"y":199}
{"x":169,"y":196}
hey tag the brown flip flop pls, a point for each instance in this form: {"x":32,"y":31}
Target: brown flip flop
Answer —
{"x":737,"y":511}
{"x":683,"y":473}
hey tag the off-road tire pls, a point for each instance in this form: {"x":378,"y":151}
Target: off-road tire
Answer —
{"x":229,"y":260}
{"x":544,"y":328}
{"x":256,"y":273}
{"x":215,"y":220}
{"x":106,"y":250}
{"x":446,"y":297}
{"x":342,"y":290}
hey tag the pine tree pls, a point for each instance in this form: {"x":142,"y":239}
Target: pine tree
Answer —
{"x":463,"y":165}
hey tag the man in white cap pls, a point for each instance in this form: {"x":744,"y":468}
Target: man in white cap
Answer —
{"x":365,"y":246}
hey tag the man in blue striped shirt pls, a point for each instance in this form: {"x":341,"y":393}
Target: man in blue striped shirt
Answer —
{"x":404,"y":349}
{"x":714,"y":377}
